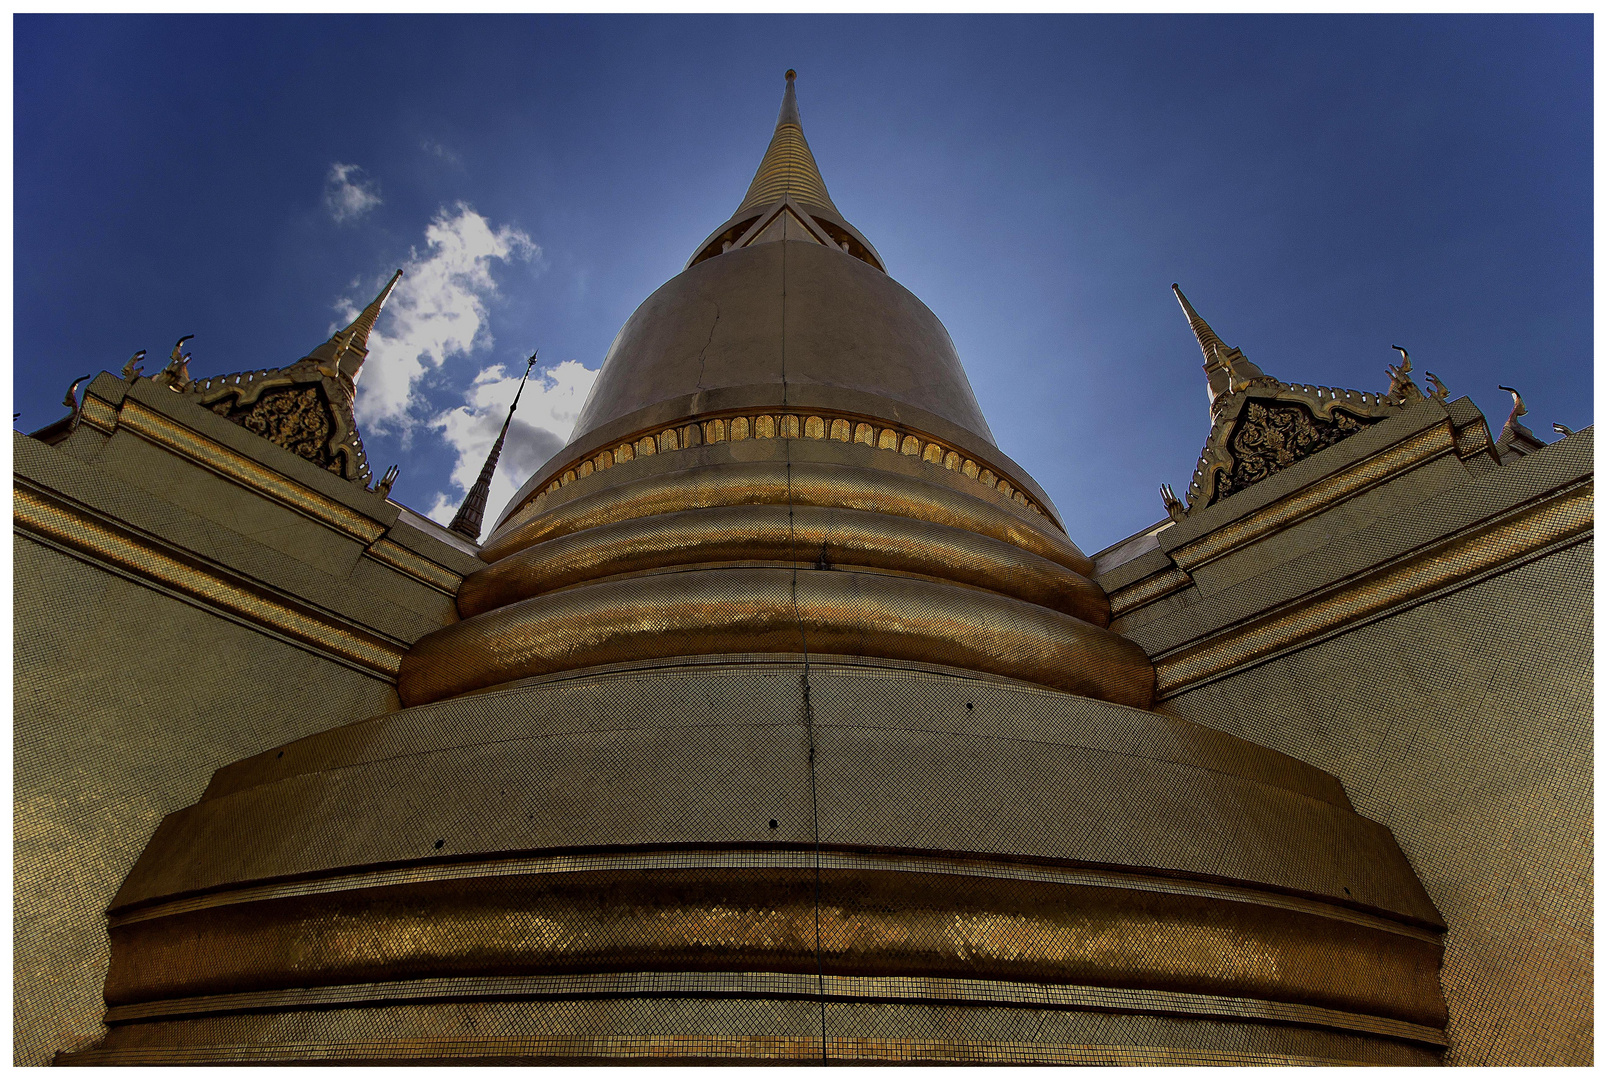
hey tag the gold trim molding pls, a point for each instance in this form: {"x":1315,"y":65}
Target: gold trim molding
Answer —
{"x":807,"y":535}
{"x":1420,"y":448}
{"x":774,"y":609}
{"x":774,"y":483}
{"x":847,"y":428}
{"x":98,"y":414}
{"x":84,"y":533}
{"x":415,"y":566}
{"x":159,"y":430}
{"x":637,"y":862}
{"x":782,"y":985}
{"x":1147,"y":590}
{"x":665,"y":1049}
{"x":1486,"y":549}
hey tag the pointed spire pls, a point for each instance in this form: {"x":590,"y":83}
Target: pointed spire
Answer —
{"x":471,"y":514}
{"x":1226,"y":369}
{"x":338,"y":351}
{"x":788,"y":168}
{"x":1210,"y":344}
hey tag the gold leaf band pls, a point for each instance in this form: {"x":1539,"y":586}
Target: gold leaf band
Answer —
{"x":774,"y":484}
{"x":768,"y":425}
{"x":151,"y":561}
{"x":769,"y":610}
{"x":1424,"y":573}
{"x":805,"y":535}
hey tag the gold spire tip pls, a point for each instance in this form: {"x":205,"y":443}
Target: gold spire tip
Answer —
{"x":791,"y":74}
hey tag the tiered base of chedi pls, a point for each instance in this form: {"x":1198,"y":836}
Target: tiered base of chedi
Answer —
{"x":783,"y":723}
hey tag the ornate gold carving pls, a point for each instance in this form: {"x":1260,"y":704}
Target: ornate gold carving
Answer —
{"x":1487,"y":549}
{"x":132,"y":370}
{"x":1270,"y":437}
{"x":153,"y":561}
{"x":158,"y":429}
{"x":304,"y":408}
{"x":176,"y":376}
{"x":788,"y":426}
{"x":1262,"y":426}
{"x":296,"y":418}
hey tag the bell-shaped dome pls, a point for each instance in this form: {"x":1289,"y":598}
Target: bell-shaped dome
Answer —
{"x":789,"y":322}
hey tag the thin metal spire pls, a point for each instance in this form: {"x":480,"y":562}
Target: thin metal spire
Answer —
{"x":471,"y":514}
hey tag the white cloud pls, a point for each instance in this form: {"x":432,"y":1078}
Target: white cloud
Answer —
{"x":547,"y":411}
{"x":451,"y":157}
{"x":347,"y":195}
{"x":436,"y":312}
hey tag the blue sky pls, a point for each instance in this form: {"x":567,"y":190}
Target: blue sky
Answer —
{"x":1322,"y":187}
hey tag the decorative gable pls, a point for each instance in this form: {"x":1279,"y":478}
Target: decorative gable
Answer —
{"x":304,"y":408}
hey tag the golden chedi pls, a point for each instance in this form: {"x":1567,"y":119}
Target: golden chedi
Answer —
{"x":783,"y":723}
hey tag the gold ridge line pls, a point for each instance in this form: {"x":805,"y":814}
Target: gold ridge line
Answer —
{"x":415,"y":566}
{"x":1416,"y":450}
{"x":778,"y":984}
{"x":98,"y":414}
{"x":830,"y":860}
{"x":1409,"y":579}
{"x":839,"y":427}
{"x":100,"y":540}
{"x":681,"y":1047}
{"x":1162,"y":583}
{"x":158,"y":429}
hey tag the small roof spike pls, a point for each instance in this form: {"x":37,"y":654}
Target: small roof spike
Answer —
{"x":789,"y":104}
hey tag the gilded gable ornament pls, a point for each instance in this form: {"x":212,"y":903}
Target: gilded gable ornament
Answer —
{"x":307,"y":407}
{"x":1261,"y":426}
{"x":296,"y":418}
{"x":1272,"y":435}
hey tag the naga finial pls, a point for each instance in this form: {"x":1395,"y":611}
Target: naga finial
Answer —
{"x":176,"y":376}
{"x":1439,"y":391}
{"x":132,"y":369}
{"x":1518,"y":408}
{"x":383,"y":488}
{"x":1402,"y":390}
{"x":1174,"y":506}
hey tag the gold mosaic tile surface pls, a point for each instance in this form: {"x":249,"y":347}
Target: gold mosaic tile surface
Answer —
{"x":121,"y":714}
{"x":1465,"y":725}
